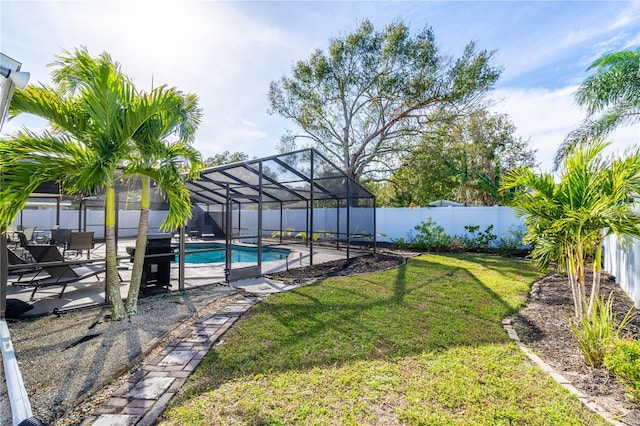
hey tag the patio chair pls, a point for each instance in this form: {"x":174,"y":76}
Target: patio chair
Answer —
{"x":24,"y":246}
{"x":26,"y":267}
{"x":207,"y":232}
{"x":60,"y":237}
{"x":12,"y":236}
{"x":28,"y":232}
{"x":79,"y":241}
{"x":58,"y":274}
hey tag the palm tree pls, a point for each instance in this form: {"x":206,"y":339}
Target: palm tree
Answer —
{"x":568,"y":220}
{"x":93,"y":111}
{"x":613,"y":93}
{"x":168,"y":164}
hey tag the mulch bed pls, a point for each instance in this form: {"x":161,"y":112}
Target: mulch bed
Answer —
{"x":343,"y":267}
{"x":544,"y":325}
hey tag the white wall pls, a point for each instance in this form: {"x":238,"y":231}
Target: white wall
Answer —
{"x":624,"y":266}
{"x":395,"y":223}
{"x":44,"y":219}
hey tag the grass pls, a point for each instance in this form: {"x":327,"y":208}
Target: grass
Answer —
{"x":418,"y":345}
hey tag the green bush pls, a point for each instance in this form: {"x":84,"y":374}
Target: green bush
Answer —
{"x":429,"y":236}
{"x":596,"y":332}
{"x":623,"y":361}
{"x":513,"y":240}
{"x":478,"y":240}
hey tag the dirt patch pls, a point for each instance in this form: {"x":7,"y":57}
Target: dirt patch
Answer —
{"x":352,"y":266}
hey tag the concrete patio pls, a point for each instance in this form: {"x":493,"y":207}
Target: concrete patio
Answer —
{"x":91,"y":292}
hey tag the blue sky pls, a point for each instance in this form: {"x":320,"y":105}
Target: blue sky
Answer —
{"x":228,"y":52}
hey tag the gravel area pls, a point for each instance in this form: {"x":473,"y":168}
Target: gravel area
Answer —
{"x":66,"y":358}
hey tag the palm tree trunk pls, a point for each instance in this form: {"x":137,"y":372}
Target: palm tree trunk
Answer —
{"x":113,"y":283}
{"x":141,"y":245}
{"x":580,"y":278}
{"x":597,"y":274}
{"x":573,"y":284}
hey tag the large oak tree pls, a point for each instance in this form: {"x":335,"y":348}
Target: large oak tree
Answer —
{"x":363,"y":100}
{"x":463,"y":161}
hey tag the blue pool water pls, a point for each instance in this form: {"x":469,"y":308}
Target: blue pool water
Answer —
{"x":238,"y":254}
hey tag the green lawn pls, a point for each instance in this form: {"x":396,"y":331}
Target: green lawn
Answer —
{"x":417,"y":345}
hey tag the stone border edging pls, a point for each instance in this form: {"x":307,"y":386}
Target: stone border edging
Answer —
{"x":559,"y":378}
{"x":143,"y":397}
{"x":136,"y":363}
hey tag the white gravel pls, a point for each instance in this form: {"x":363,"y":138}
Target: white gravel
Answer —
{"x":59,"y":372}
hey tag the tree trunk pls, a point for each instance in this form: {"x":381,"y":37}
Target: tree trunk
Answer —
{"x":141,"y":246}
{"x":580,"y":278}
{"x":597,"y":274}
{"x":113,"y":283}
{"x":572,"y":284}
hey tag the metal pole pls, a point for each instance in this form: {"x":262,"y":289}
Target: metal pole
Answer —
{"x":181,"y":260}
{"x":260,"y":218}
{"x":306,"y":243}
{"x":348,"y":217}
{"x":227,"y":260}
{"x":18,"y":397}
{"x":281,"y":222}
{"x":375,"y":240}
{"x":4,"y":262}
{"x":310,"y":234}
{"x":80,"y":209}
{"x":338,"y":224}
{"x":58,"y":208}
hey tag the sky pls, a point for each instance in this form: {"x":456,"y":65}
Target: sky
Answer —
{"x":228,"y":52}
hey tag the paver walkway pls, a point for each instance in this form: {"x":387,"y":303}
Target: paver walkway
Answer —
{"x":146,"y":394}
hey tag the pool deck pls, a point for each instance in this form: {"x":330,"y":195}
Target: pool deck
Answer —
{"x":90,"y":292}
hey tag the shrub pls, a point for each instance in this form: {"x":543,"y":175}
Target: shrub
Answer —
{"x":623,"y":361}
{"x":429,"y":236}
{"x":480,"y":241}
{"x":597,"y":331}
{"x":513,"y":239}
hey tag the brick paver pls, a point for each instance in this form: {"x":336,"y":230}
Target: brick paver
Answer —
{"x":145,"y":396}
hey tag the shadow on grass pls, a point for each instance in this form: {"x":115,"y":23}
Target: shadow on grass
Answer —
{"x":430,"y":304}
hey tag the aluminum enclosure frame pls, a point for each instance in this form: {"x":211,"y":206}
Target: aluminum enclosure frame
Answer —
{"x":301,"y":180}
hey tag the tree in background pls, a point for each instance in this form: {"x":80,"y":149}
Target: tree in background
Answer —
{"x":362,"y":102}
{"x":226,"y":158}
{"x":568,"y":220}
{"x":612,"y":98}
{"x":461,"y":161}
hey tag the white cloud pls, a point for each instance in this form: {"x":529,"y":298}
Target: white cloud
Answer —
{"x":545,"y":117}
{"x":228,"y":52}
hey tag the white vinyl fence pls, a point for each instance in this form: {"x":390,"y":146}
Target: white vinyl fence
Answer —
{"x":624,"y":265}
{"x":395,"y":223}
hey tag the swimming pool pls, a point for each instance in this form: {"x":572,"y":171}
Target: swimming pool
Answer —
{"x":238,"y":253}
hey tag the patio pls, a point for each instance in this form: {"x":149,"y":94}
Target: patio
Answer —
{"x":90,"y":291}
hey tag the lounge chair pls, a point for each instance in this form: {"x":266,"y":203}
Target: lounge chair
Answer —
{"x":25,"y":267}
{"x":24,"y":246}
{"x":58,"y":274}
